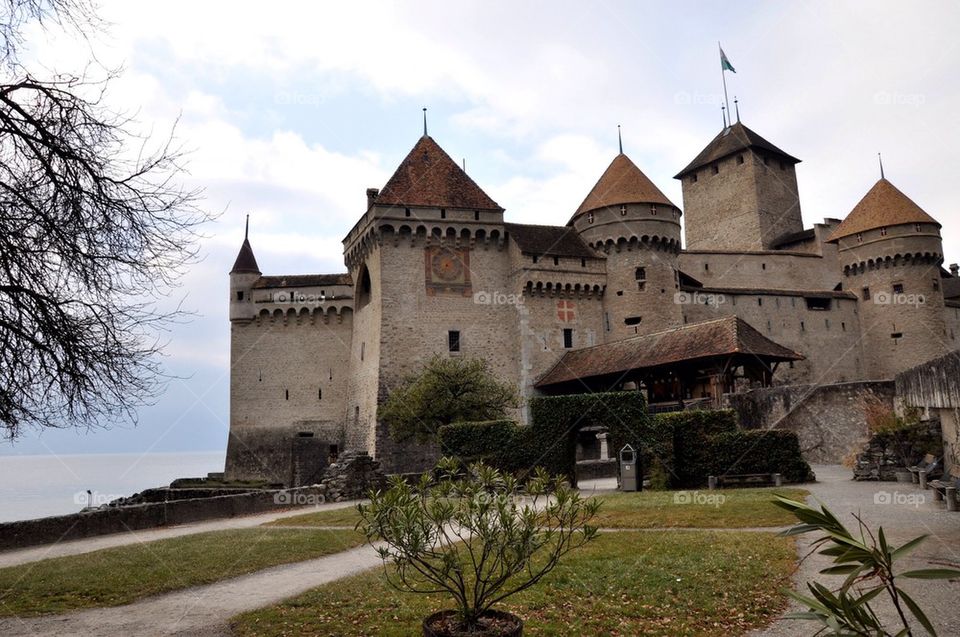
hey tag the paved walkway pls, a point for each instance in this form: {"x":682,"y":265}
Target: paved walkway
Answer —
{"x":905,"y":512}
{"x":86,"y":545}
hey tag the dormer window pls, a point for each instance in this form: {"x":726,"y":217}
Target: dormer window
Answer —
{"x":589,"y":217}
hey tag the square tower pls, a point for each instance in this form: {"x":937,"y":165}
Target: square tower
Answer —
{"x":740,"y":193}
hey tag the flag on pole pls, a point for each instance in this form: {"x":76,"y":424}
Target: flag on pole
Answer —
{"x":725,"y":63}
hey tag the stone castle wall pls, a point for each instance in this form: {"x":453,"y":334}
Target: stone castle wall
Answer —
{"x":829,"y":338}
{"x":828,"y":419}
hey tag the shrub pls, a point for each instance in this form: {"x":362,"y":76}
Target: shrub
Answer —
{"x":869,"y":562}
{"x":691,"y":434}
{"x":473,"y":441}
{"x":756,"y":451}
{"x":475,"y":537}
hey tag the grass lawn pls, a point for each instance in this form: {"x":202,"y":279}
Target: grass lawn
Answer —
{"x":739,"y":508}
{"x":727,"y":508}
{"x":674,"y":584}
{"x":115,"y":576}
{"x":347,"y":516}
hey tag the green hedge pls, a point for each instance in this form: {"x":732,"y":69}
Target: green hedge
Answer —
{"x":472,"y":441}
{"x":691,"y":433}
{"x":678,"y":449}
{"x":756,"y":451}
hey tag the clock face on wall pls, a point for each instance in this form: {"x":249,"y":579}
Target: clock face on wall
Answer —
{"x":447,"y":270}
{"x":447,"y":266}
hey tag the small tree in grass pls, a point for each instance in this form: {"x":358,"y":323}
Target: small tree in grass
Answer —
{"x":868,"y":561}
{"x":478,"y":537}
{"x":447,"y":390}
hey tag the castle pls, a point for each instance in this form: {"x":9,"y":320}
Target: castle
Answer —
{"x":610,"y":300}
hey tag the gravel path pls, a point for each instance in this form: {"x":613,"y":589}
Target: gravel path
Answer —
{"x":905,"y":512}
{"x":86,"y":545}
{"x":202,"y":611}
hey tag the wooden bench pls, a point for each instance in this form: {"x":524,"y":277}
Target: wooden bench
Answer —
{"x":946,"y":489}
{"x":924,"y":471}
{"x":745,"y":480}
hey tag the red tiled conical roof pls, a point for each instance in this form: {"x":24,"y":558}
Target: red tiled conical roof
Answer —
{"x":429,"y":177}
{"x":883,"y":206}
{"x":622,"y":183}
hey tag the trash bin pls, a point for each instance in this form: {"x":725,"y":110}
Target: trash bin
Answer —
{"x":631,"y":477}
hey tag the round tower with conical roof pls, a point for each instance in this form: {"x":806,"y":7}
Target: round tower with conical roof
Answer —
{"x":627,"y":218}
{"x":244,"y":273}
{"x":891,"y":253}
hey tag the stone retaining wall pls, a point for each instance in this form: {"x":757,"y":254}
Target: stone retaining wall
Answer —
{"x":350,"y":478}
{"x":828,"y":419}
{"x":107,"y":520}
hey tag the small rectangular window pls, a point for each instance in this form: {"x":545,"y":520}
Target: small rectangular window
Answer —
{"x":739,"y":159}
{"x":567,"y":338}
{"x":936,"y":285}
{"x":632,"y":320}
{"x":476,"y":215}
{"x":817,"y":304}
{"x":706,"y":267}
{"x":716,"y":169}
{"x":535,"y":257}
{"x":896,"y":335}
{"x":641,"y":274}
{"x":866,"y":294}
{"x":443,"y":213}
{"x":898,"y":288}
{"x":556,"y":260}
{"x":453,"y":340}
{"x":583,"y":262}
{"x":693,"y":178}
{"x":883,"y":232}
{"x":240,"y":295}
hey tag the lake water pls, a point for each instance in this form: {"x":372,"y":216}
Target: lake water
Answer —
{"x":39,"y":486}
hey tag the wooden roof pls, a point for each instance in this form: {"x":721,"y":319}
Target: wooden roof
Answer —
{"x":883,"y":206}
{"x":560,"y":241}
{"x":721,"y":337}
{"x":428,"y":177}
{"x":622,"y":183}
{"x":733,"y":139}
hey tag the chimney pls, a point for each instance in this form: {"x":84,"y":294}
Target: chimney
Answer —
{"x":372,"y":196}
{"x":955,"y":269}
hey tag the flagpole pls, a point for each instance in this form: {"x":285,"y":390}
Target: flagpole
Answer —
{"x":723,"y":75}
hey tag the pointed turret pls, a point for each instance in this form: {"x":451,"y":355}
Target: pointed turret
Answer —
{"x":637,"y":227}
{"x":622,"y":183}
{"x":891,"y":253}
{"x":883,"y":206}
{"x":245,"y":263}
{"x":244,"y":273}
{"x":429,"y":178}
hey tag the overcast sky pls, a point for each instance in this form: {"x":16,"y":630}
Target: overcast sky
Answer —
{"x":293,"y":109}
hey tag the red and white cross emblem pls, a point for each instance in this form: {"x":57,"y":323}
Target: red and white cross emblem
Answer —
{"x":566,"y":311}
